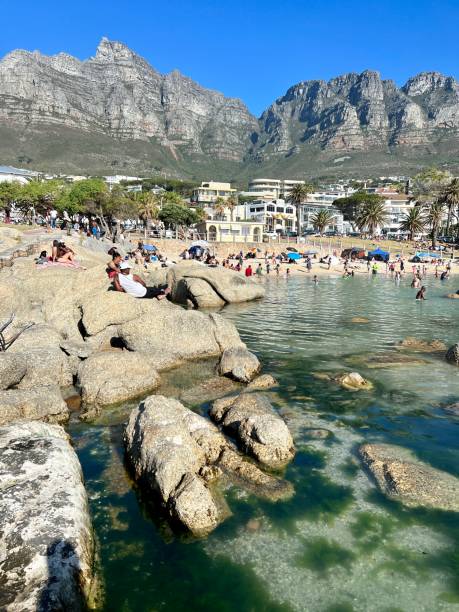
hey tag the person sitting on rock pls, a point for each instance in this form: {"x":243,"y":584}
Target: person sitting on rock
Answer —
{"x":62,"y":253}
{"x":113,"y":266}
{"x":133,"y":285}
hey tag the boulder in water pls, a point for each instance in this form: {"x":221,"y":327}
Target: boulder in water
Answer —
{"x":265,"y":381}
{"x":47,"y":553}
{"x":403,"y":477}
{"x":260,"y":430}
{"x":353,"y":381}
{"x":453,"y":296}
{"x":239,"y":363}
{"x":452,"y":355}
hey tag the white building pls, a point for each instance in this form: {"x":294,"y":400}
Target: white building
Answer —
{"x":209,"y":191}
{"x":8,"y":174}
{"x":270,"y":189}
{"x":276,"y":215}
{"x":323,"y":201}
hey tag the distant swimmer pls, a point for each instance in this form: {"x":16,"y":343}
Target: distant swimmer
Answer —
{"x":420,"y":295}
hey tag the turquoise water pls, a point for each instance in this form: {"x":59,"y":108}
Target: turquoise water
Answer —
{"x":338,"y":544}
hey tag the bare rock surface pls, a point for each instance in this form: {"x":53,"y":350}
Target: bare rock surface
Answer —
{"x":207,"y":287}
{"x":353,"y":381}
{"x":239,"y":363}
{"x":43,"y":403}
{"x":401,"y":476}
{"x":262,"y":382}
{"x":13,"y":368}
{"x":259,"y":429}
{"x":115,"y":376}
{"x":47,"y":547}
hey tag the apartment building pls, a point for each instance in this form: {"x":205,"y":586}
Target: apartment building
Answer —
{"x":209,"y":191}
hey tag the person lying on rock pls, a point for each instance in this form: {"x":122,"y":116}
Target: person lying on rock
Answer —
{"x":133,"y":285}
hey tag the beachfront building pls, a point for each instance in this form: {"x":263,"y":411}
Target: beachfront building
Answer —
{"x":275,"y":215}
{"x":318,"y":201}
{"x":215,"y":230}
{"x":209,"y":191}
{"x":397,"y":205}
{"x":270,"y":189}
{"x":9,"y":174}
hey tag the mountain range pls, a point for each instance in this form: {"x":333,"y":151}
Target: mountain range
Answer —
{"x":114,"y":113}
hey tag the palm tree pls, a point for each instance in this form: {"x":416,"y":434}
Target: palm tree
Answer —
{"x":297,"y":196}
{"x":231,"y":203}
{"x":450,"y":197}
{"x":372,"y":215}
{"x":219,"y":207}
{"x":321,"y":219}
{"x":434,"y":217}
{"x":148,"y":209}
{"x":414,"y":222}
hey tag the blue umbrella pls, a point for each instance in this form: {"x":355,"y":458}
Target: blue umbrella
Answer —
{"x":149,"y":247}
{"x":294,"y":256}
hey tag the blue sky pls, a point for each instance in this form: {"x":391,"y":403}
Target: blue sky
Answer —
{"x":250,"y":49}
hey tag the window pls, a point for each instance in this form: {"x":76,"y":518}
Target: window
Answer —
{"x":253,"y":209}
{"x":245,"y":230}
{"x":289,"y":211}
{"x":224,"y":232}
{"x":280,"y":209}
{"x":271,"y":208}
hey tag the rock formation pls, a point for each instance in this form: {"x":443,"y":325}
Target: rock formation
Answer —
{"x":401,"y":476}
{"x":210,"y":287}
{"x":239,"y":363}
{"x":252,"y":420}
{"x":175,"y":453}
{"x":452,"y":355}
{"x":47,"y":552}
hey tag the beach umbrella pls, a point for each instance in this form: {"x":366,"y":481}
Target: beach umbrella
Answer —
{"x":294,"y":256}
{"x":200,"y":243}
{"x":149,"y":247}
{"x":292,"y":249}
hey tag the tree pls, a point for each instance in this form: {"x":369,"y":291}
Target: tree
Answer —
{"x":297,"y":196}
{"x":450,"y":197}
{"x":176,"y":215}
{"x":414,"y":222}
{"x":428,"y":184}
{"x":352,"y":206}
{"x":91,"y":195}
{"x":148,"y":208}
{"x":321,"y":219}
{"x":219,"y":207}
{"x":231,"y":204}
{"x":434,"y":217}
{"x":372,"y":215}
{"x":9,"y":193}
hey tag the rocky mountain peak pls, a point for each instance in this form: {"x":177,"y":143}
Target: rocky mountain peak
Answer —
{"x":111,"y":51}
{"x":426,"y":82}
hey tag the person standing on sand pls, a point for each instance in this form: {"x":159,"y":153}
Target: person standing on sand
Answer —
{"x":402,"y":265}
{"x":248,"y":271}
{"x":374,"y":268}
{"x":259,"y":270}
{"x":268,"y":267}
{"x":309,"y":264}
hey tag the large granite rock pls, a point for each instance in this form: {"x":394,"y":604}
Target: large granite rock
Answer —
{"x":164,"y":455}
{"x":421,"y":346}
{"x":452,"y":355}
{"x":210,"y":287}
{"x":47,"y":546}
{"x":116,"y":376}
{"x":239,"y":363}
{"x":176,"y":452}
{"x":401,"y":476}
{"x":42,"y":403}
{"x":173,"y":335}
{"x":13,"y":368}
{"x":259,"y":429}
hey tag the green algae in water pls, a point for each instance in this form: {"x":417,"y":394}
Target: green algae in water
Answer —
{"x":321,"y":555}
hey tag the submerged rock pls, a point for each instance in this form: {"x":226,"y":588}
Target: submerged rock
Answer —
{"x":265,"y":381}
{"x":209,"y":390}
{"x":47,"y":550}
{"x":239,"y":363}
{"x":43,"y":403}
{"x":111,"y":377}
{"x":453,"y":296}
{"x":353,"y":381}
{"x":210,"y":287}
{"x":452,"y":356}
{"x":260,"y":430}
{"x":359,"y":320}
{"x":386,"y":360}
{"x":452,"y":409}
{"x":421,"y":346}
{"x":401,"y":476}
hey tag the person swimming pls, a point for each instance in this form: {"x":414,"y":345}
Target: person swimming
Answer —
{"x":420,"y":295}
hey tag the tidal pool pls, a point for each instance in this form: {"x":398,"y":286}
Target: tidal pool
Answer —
{"x":338,"y":544}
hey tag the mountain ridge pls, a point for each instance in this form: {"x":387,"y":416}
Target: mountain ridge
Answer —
{"x":129,"y":115}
